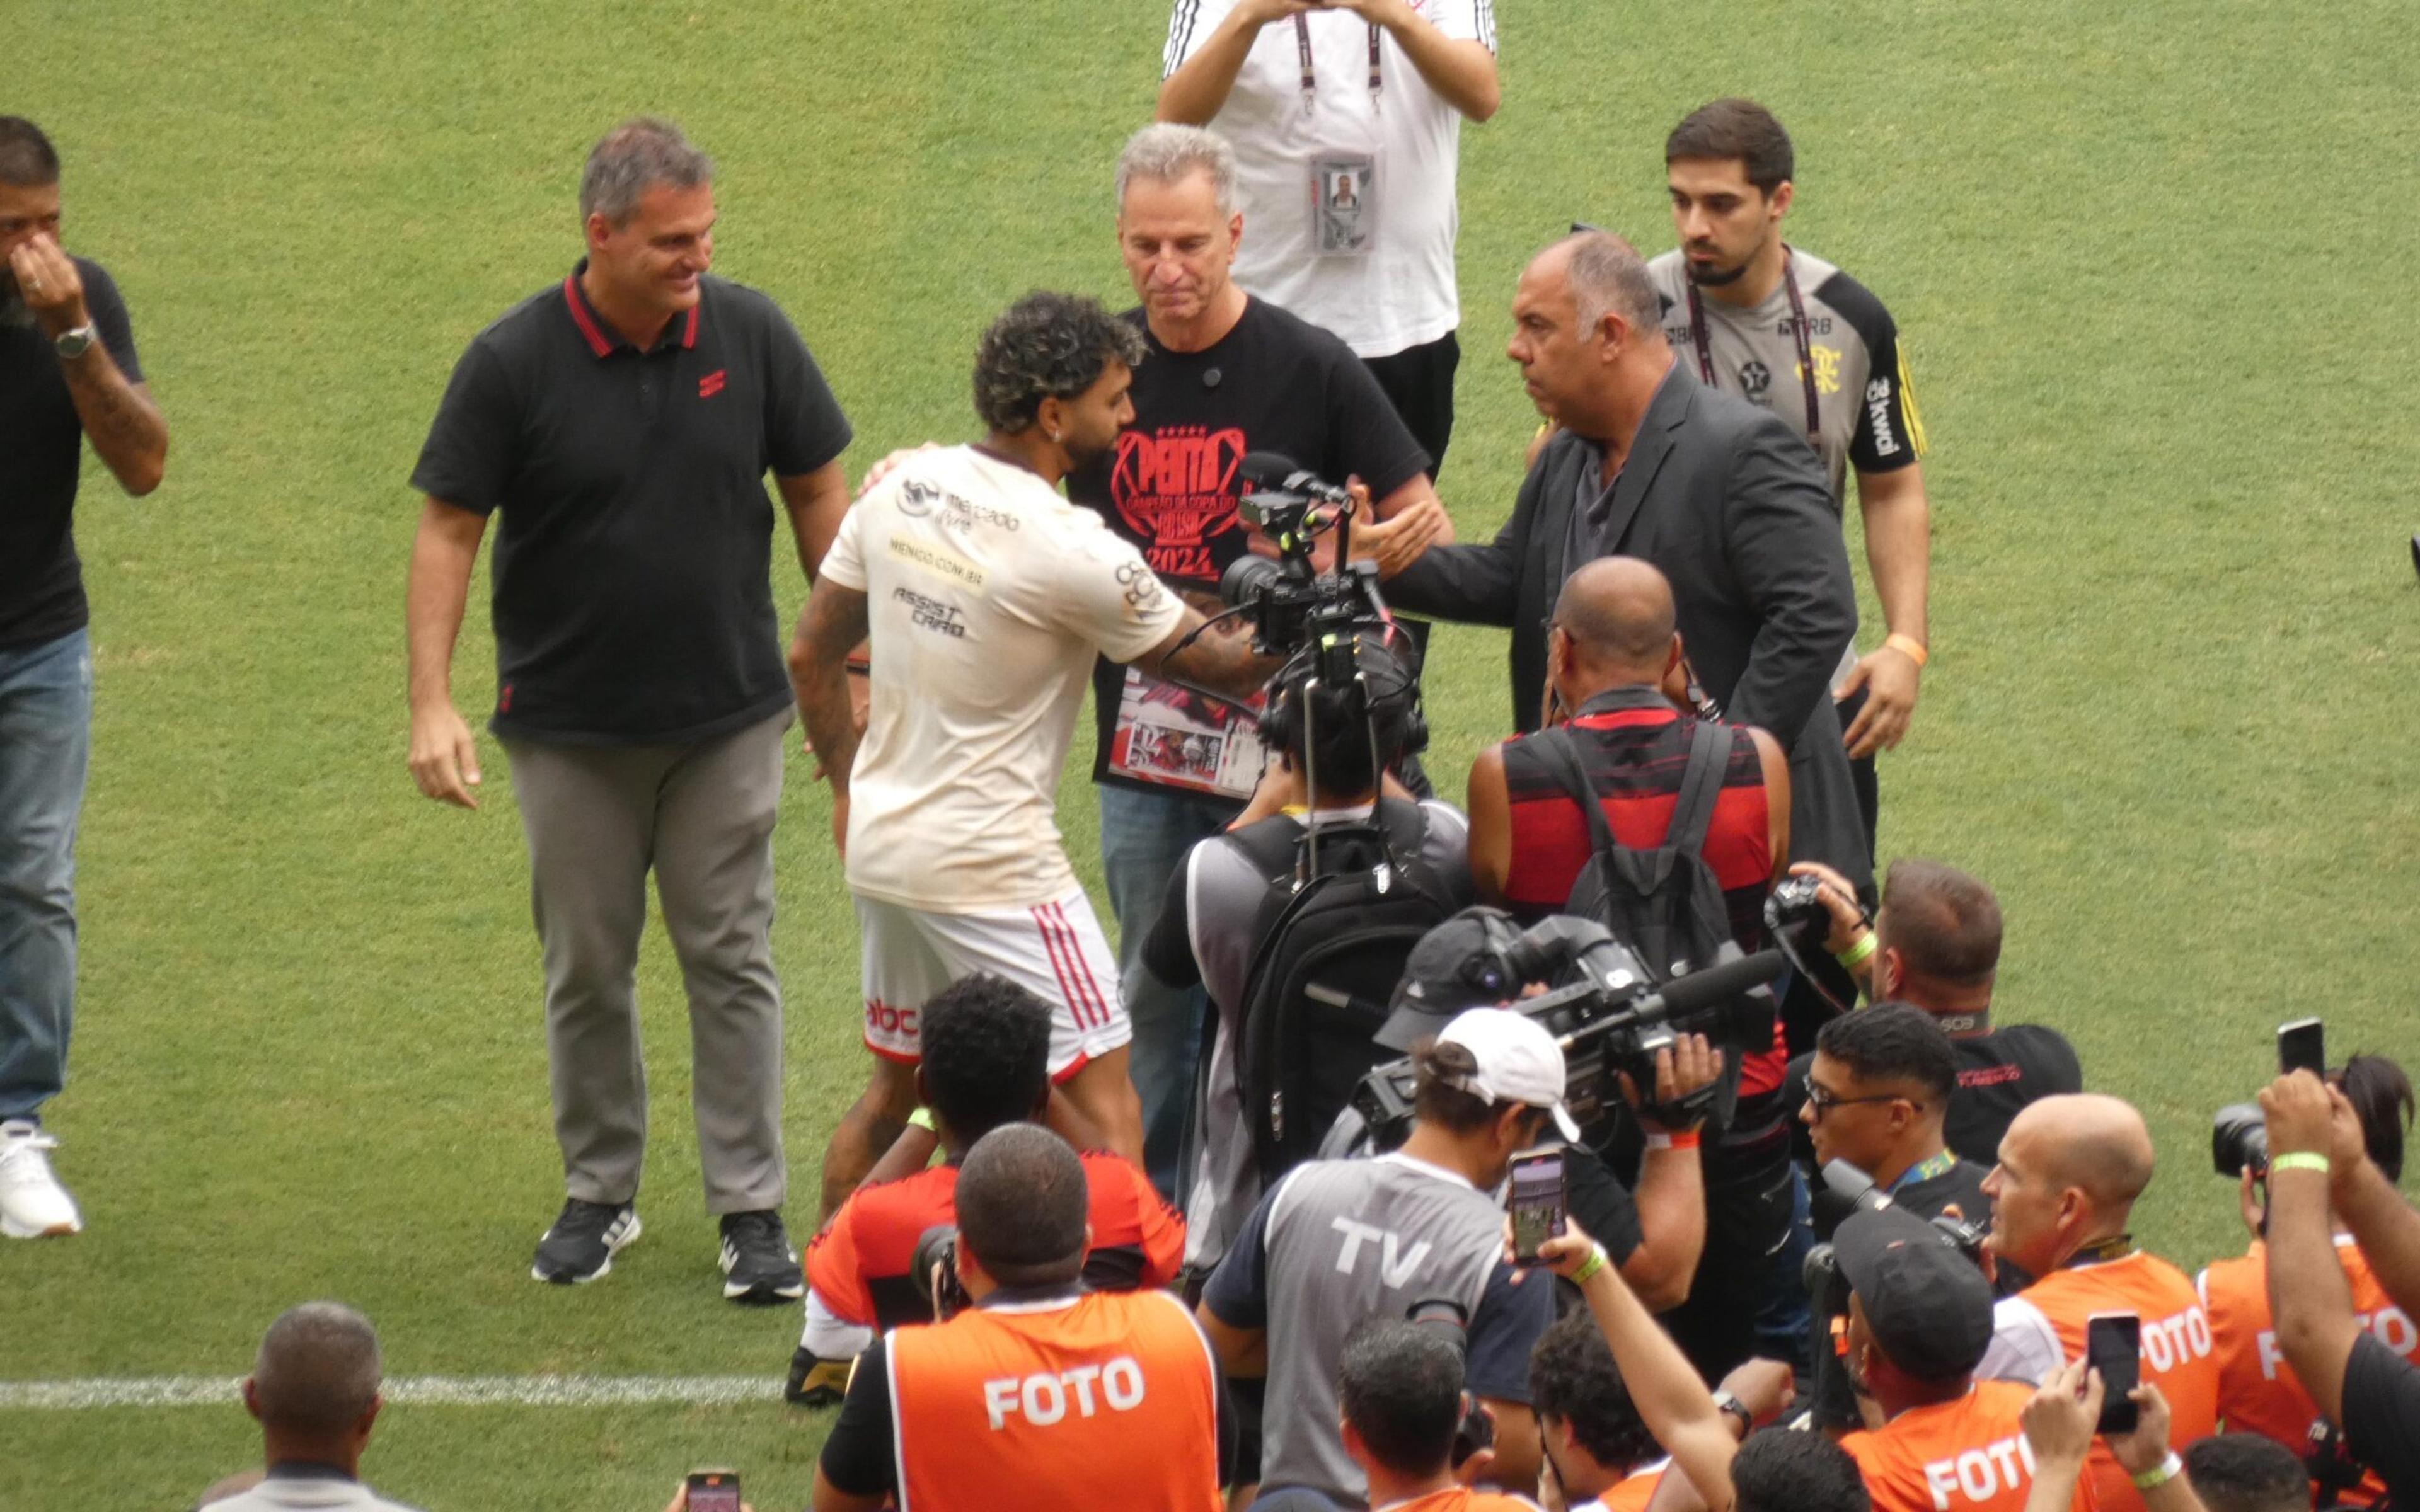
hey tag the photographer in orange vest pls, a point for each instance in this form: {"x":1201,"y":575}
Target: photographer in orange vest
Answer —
{"x":1041,"y":1396}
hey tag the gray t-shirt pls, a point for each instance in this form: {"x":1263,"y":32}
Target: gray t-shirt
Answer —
{"x":1338,"y":1242}
{"x":1206,"y":933}
{"x":1865,"y":411}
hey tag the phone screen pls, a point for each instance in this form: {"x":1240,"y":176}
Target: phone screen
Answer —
{"x":2301,"y":1045}
{"x":2112,"y":1345}
{"x":713,"y":1490}
{"x":1536,"y":1201}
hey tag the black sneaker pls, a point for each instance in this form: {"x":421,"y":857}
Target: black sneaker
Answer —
{"x":815,"y":1381}
{"x":758,"y":1264}
{"x":582,"y":1244}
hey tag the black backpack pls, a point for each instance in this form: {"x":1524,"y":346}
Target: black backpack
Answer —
{"x":1332,"y":944}
{"x":1663,"y":902}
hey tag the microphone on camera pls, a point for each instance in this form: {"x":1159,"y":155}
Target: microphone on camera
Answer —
{"x":1275,"y":469}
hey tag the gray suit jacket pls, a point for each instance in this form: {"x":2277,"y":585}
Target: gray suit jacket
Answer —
{"x":1731,"y":506}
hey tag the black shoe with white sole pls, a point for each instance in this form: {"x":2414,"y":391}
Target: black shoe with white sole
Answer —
{"x":758,"y":1264}
{"x":582,"y":1244}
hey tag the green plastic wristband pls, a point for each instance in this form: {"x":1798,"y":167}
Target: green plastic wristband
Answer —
{"x":1595,"y":1263}
{"x":2299,"y":1160}
{"x":922,"y":1118}
{"x":1855,"y":955}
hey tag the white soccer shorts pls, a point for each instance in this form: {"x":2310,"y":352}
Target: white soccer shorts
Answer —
{"x":1055,"y":951}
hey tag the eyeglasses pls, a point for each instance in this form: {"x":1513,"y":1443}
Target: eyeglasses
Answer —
{"x":1823,"y":1102}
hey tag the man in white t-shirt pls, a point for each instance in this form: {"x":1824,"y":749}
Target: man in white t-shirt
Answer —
{"x":1346,"y":120}
{"x":985,"y":597}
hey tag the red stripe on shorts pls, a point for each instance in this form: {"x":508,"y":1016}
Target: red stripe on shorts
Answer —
{"x":1058,"y":969}
{"x":1075,"y":944}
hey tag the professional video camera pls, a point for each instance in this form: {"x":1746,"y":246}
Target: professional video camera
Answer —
{"x":1292,"y":604}
{"x":1604,"y":1008}
{"x":933,"y":1265}
{"x":1827,"y":1290}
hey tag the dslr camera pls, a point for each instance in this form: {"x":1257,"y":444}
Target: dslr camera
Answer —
{"x":1603,"y":1008}
{"x":1827,"y":1290}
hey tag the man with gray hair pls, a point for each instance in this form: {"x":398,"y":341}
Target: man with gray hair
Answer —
{"x":1227,"y":374}
{"x":986,"y":598}
{"x":622,"y":424}
{"x":315,"y":1391}
{"x":1729,"y":503}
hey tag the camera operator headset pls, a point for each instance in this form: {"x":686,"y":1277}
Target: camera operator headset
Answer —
{"x":2257,"y":1391}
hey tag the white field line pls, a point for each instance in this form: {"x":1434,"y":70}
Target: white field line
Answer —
{"x":419,"y":1391}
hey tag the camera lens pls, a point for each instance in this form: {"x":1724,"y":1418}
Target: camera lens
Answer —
{"x":1245,"y":577}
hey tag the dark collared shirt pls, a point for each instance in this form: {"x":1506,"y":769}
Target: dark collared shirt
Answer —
{"x":632,"y":573}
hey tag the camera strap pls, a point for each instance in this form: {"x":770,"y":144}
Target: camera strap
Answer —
{"x":1311,"y":79}
{"x":1797,"y":329}
{"x":2116,"y":1247}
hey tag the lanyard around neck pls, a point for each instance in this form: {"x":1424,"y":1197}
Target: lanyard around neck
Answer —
{"x":1311,"y":80}
{"x":1797,"y":329}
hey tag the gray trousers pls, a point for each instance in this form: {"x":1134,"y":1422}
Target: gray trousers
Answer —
{"x":599,"y":818}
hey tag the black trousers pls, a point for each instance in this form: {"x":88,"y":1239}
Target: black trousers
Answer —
{"x":1418,"y":381}
{"x":1748,"y":1203}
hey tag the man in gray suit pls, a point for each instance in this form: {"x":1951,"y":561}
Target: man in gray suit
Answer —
{"x":314,"y":1390}
{"x":1727,"y":501}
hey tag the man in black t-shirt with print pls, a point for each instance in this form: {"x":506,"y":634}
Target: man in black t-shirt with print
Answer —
{"x":1227,"y":375}
{"x":620,"y":424}
{"x":68,"y":372}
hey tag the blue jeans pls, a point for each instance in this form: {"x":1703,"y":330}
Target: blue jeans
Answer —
{"x":1783,"y":1321}
{"x":1144,"y":839}
{"x":45,"y":750}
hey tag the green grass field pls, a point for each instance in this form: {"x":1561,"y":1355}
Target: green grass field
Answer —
{"x":2149,"y":261}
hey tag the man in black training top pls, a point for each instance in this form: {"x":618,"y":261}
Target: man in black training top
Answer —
{"x":1782,"y":328}
{"x":67,"y":371}
{"x":1226,"y":374}
{"x":622,"y":424}
{"x":1935,"y":944}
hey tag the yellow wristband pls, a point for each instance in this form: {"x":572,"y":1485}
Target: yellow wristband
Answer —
{"x":1908,"y":646}
{"x":2161,"y":1474}
{"x":922,"y":1118}
{"x":2299,"y":1160}
{"x":1854,"y":956}
{"x":1595,"y":1263}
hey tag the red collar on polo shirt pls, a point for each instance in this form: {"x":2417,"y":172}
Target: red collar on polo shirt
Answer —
{"x":592,"y":324}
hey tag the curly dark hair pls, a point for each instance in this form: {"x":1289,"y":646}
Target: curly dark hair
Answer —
{"x":1046,"y":346}
{"x":1893,"y":1042}
{"x":986,"y":1043}
{"x":2246,"y":1472}
{"x":1572,"y":1377}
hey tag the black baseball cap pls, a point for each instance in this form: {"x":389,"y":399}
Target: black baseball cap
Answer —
{"x":1926,"y":1304}
{"x":1457,"y":965}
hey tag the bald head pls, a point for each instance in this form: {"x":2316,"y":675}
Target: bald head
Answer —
{"x":317,"y":1373}
{"x":1617,"y":614}
{"x":2092,"y":1142}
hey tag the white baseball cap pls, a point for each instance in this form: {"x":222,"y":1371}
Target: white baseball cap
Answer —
{"x":1518,"y":1061}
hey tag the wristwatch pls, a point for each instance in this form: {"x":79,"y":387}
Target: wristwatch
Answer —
{"x":1732,"y":1405}
{"x":72,"y":345}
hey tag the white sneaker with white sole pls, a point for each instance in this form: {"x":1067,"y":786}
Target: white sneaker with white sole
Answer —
{"x":33,"y":1205}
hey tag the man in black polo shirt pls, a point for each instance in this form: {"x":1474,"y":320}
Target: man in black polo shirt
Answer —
{"x":68,"y":370}
{"x":1227,"y":375}
{"x":623,"y":424}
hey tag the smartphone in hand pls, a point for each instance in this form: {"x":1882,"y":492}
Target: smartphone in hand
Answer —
{"x":713,"y":1490}
{"x":1536,"y":1198}
{"x":2301,"y":1045}
{"x":2112,"y":1345}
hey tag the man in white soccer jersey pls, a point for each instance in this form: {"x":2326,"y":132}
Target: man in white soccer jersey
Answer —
{"x":986,"y":597}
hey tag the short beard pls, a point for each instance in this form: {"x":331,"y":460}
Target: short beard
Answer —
{"x":1718,"y":277}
